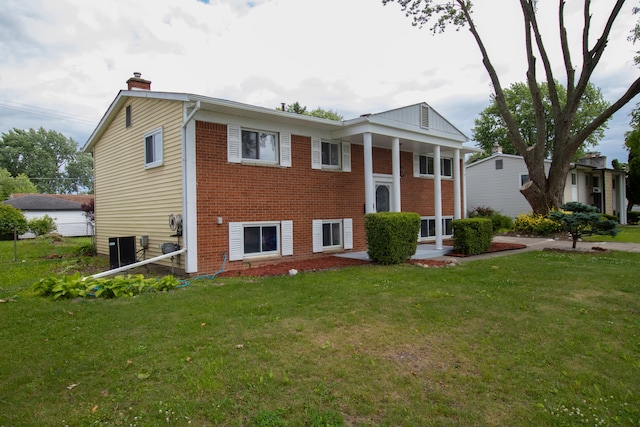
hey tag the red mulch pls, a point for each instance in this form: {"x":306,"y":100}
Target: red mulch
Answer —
{"x":333,"y":262}
{"x":315,"y":264}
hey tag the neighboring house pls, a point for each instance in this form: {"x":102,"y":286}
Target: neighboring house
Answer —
{"x":65,"y":209}
{"x":260,"y":185}
{"x":495,"y":182}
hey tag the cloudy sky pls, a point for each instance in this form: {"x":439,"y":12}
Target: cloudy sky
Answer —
{"x":62,"y":62}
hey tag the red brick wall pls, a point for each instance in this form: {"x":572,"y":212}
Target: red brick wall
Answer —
{"x":243,"y":193}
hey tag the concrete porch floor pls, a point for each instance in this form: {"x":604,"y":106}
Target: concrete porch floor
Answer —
{"x":423,"y":251}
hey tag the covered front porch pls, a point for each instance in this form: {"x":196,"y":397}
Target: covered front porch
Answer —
{"x":437,"y":150}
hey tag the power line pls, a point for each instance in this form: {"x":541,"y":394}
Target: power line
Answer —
{"x":32,"y":109}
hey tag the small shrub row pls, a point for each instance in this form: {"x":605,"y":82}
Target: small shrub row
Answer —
{"x":535,"y":224}
{"x":75,"y":286}
{"x":392,"y":237}
{"x":499,"y":222}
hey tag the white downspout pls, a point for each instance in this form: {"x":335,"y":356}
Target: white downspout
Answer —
{"x":189,"y":196}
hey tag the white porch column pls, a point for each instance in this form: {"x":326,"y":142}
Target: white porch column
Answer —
{"x":437,"y":195}
{"x":456,"y":185}
{"x":369,"y":190}
{"x":395,"y":162}
{"x":622,"y":198}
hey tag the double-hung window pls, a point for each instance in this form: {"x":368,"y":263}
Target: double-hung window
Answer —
{"x":428,"y":227}
{"x":330,"y":155}
{"x":426,"y":166}
{"x":153,"y":148}
{"x":332,"y":234}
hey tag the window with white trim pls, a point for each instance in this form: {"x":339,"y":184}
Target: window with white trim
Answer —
{"x":428,"y":227}
{"x":258,"y":146}
{"x":255,"y":239}
{"x":330,"y":155}
{"x":153,"y":148}
{"x":426,"y":166}
{"x":331,"y":234}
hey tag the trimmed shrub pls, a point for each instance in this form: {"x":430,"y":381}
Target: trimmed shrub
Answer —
{"x":392,"y":237}
{"x":633,"y":217}
{"x":472,"y":236}
{"x":42,"y":226}
{"x":498,"y":221}
{"x":535,"y":224}
{"x":11,"y":219}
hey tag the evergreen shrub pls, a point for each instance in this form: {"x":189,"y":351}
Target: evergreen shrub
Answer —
{"x":392,"y":237}
{"x":472,"y":236}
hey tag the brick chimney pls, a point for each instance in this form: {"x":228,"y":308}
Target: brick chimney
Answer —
{"x":138,"y":83}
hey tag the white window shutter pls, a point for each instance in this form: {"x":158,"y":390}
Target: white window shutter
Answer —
{"x":285,"y":150}
{"x":234,"y":144}
{"x":346,"y":156}
{"x":316,"y":153}
{"x":286,"y":228}
{"x":416,"y":165}
{"x":317,"y":235}
{"x":235,"y":241}
{"x":347,"y":230}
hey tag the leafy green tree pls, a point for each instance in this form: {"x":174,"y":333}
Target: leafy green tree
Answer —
{"x":579,"y":219}
{"x":632,"y":144}
{"x":11,"y":219}
{"x":490,"y":128}
{"x":543,"y":191}
{"x":318,"y":112}
{"x":51,"y":160}
{"x":18,"y":184}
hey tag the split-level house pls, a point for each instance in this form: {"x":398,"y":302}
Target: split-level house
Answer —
{"x":254,"y":185}
{"x":495,"y":182}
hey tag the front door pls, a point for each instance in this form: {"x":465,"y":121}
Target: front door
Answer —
{"x":383,"y":193}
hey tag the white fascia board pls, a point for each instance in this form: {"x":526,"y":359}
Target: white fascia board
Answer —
{"x":117,"y":103}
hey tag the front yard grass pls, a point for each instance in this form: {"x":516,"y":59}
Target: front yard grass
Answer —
{"x":536,"y":338}
{"x":627,"y":234}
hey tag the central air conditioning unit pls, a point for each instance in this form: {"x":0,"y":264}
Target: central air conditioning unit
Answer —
{"x":596,"y":189}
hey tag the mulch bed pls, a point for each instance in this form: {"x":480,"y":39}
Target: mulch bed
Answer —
{"x":333,"y":262}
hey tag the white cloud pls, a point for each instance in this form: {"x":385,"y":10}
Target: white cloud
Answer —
{"x":355,"y":56}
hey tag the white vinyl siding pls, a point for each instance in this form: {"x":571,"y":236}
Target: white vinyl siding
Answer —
{"x":122,"y":207}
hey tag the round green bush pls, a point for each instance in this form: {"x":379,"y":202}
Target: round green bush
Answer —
{"x":11,"y":219}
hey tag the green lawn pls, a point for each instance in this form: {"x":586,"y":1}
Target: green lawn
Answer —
{"x":536,"y":338}
{"x":627,"y":234}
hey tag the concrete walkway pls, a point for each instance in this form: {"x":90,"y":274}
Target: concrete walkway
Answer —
{"x":540,"y":243}
{"x":429,"y":251}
